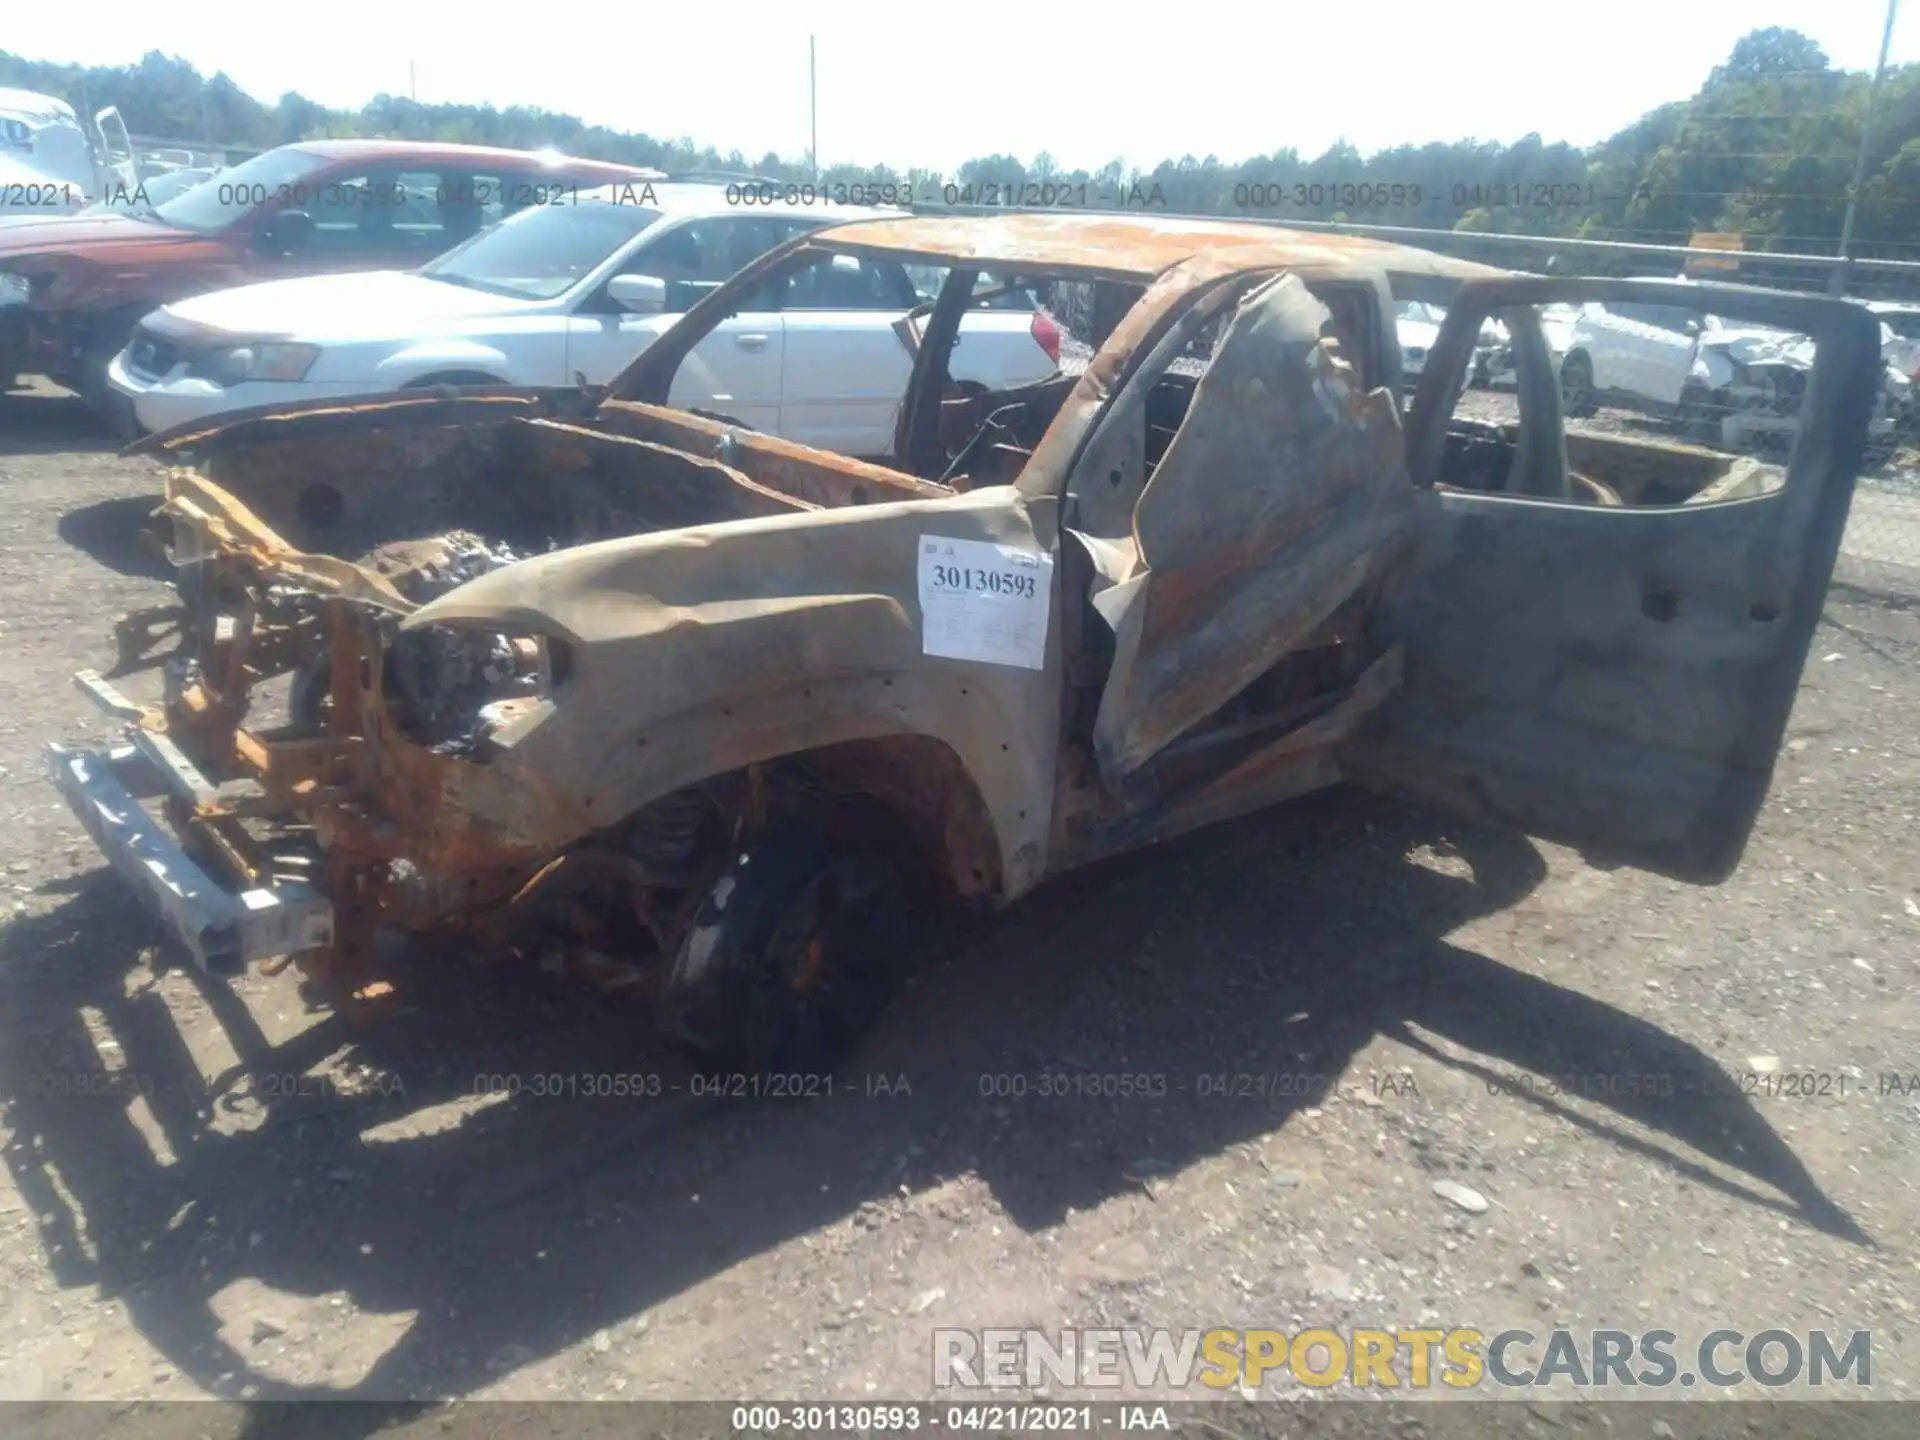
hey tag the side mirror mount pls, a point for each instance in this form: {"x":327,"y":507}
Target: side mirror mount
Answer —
{"x":284,"y":232}
{"x":643,"y":294}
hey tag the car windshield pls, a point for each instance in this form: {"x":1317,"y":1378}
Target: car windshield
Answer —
{"x":544,"y":250}
{"x":237,"y":192}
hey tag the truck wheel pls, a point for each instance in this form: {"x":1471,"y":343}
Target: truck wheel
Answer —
{"x":792,"y":956}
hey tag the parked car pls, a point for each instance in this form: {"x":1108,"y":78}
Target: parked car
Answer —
{"x":1418,"y":325}
{"x":789,"y":701}
{"x":565,"y":292}
{"x":1493,"y":358}
{"x":1716,"y":380}
{"x":72,"y":288}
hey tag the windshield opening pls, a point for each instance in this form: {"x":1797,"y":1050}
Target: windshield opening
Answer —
{"x":543,"y":251}
{"x":239,"y":191}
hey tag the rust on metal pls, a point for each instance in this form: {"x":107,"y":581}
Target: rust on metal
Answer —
{"x":556,"y":661}
{"x":1127,"y":246}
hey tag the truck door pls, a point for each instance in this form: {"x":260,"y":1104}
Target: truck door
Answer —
{"x":1616,"y":676}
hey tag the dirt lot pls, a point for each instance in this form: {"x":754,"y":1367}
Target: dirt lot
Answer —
{"x":1341,"y":999}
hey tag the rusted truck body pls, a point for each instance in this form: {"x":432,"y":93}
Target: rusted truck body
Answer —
{"x":719,"y":714}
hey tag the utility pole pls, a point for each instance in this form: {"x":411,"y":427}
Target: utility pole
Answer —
{"x":1841,"y":271}
{"x":813,"y":111}
{"x":413,"y":89}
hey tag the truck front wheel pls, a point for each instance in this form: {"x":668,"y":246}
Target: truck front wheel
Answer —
{"x":792,"y":956}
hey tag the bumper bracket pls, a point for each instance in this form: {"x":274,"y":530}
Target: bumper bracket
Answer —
{"x":222,"y":930}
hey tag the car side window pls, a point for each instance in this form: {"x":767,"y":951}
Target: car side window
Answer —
{"x":344,"y":216}
{"x":700,"y":255}
{"x":1672,"y":318}
{"x":1661,"y":317}
{"x":427,"y":215}
{"x":992,"y":291}
{"x":439,"y":208}
{"x":850,"y":282}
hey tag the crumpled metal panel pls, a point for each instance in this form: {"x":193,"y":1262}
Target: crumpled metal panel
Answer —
{"x":1283,"y":489}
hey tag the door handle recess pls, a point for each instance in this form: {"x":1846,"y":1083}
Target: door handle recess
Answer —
{"x":751,"y":342}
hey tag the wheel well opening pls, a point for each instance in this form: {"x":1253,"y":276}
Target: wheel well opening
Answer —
{"x":911,"y":791}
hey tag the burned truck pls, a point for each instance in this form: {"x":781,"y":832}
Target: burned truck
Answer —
{"x":721,"y":716}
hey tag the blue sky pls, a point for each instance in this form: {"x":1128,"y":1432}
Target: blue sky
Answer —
{"x":936,"y":85}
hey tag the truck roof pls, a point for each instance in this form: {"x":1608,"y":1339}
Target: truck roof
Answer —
{"x":1133,"y":246}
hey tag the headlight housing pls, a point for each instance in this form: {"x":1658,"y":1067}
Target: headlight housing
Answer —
{"x":256,"y":360}
{"x":14,"y":289}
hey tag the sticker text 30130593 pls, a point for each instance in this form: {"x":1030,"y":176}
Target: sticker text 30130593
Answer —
{"x":987,"y":602}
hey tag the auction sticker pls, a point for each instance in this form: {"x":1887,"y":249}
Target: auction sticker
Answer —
{"x":981,"y":601}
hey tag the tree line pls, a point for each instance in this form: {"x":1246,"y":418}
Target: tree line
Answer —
{"x":1765,"y":149}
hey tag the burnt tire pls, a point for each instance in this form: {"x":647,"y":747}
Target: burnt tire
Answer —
{"x":792,"y":957}
{"x":1576,"y":387}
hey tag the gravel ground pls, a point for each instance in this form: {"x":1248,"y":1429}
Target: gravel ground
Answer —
{"x":350,"y":1220}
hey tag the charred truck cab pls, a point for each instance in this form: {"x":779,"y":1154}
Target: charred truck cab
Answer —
{"x":718,"y":714}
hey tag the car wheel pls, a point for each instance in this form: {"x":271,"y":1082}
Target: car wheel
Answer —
{"x":792,"y":956}
{"x":1576,"y":387}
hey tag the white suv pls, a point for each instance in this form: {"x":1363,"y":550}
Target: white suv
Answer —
{"x":1731,"y":385}
{"x":576,"y":290}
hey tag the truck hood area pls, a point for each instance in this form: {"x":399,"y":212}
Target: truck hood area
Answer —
{"x":509,"y":635}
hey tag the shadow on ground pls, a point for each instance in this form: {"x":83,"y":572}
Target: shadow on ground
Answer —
{"x":114,"y":533}
{"x":534,"y":1223}
{"x":44,"y":420}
